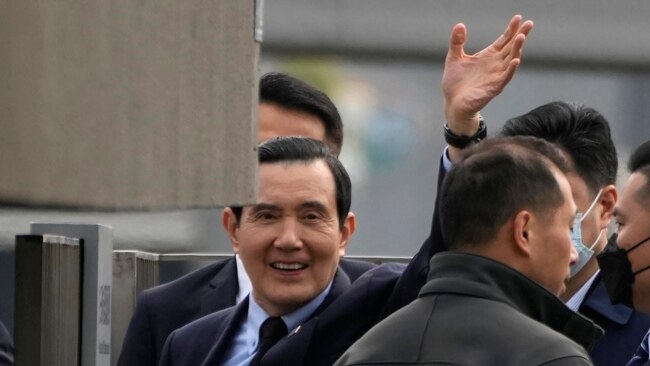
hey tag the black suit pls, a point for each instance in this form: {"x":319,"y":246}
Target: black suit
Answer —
{"x":162,"y":309}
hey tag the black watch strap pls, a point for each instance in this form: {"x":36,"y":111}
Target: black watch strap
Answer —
{"x":462,"y":142}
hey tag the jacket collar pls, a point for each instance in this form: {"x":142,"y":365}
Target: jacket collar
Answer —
{"x":223,"y":289}
{"x":473,"y":275}
{"x":234,"y":319}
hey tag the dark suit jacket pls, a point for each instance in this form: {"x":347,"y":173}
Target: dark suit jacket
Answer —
{"x":6,"y":347}
{"x":164,"y":308}
{"x":624,"y":327}
{"x":348,"y":311}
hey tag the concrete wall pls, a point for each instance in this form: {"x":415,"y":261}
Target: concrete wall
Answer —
{"x":128,"y":104}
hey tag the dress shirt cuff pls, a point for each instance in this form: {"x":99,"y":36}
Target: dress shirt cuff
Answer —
{"x":446,"y":162}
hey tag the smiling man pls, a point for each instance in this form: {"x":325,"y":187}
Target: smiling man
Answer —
{"x":287,"y":107}
{"x":292,"y":239}
{"x":290,"y":242}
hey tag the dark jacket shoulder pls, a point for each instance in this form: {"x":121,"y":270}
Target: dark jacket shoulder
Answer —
{"x":505,"y":317}
{"x":355,"y":268}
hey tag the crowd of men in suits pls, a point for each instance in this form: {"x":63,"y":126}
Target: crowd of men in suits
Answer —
{"x":518,"y":268}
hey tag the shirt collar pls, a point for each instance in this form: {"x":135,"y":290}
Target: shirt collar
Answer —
{"x":576,"y":300}
{"x":242,"y":280}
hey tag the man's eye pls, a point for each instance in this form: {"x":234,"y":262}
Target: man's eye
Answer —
{"x":264,"y":216}
{"x":311,"y":216}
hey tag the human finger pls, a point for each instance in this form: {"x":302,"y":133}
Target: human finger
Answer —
{"x":507,"y":35}
{"x":526,"y":27}
{"x":457,"y":41}
{"x":510,"y":71}
{"x":517,"y":46}
{"x":513,"y":49}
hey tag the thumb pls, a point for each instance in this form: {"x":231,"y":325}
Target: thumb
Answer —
{"x":457,"y":41}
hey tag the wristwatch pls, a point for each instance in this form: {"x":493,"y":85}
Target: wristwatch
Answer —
{"x":462,"y":142}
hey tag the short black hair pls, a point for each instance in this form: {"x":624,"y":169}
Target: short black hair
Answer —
{"x":288,"y":92}
{"x":580,"y":131}
{"x":493,"y":181}
{"x":640,"y":163}
{"x":288,"y":149}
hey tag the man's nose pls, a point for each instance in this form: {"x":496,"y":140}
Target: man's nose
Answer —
{"x":574,"y":255}
{"x":288,"y":237}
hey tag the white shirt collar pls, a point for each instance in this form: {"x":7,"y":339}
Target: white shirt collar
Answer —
{"x":579,"y":297}
{"x":243,"y":281}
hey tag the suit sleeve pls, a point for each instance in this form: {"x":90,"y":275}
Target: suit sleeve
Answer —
{"x":438,"y":244}
{"x":415,"y":275}
{"x":138,"y":346}
{"x":165,"y":356}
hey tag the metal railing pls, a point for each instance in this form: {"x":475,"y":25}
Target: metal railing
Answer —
{"x":48,"y":300}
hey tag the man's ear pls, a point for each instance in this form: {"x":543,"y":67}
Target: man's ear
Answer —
{"x":523,"y":232}
{"x":349,"y":227}
{"x":607,"y":200}
{"x":230,"y":224}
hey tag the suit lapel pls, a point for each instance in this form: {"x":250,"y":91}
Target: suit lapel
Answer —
{"x":292,"y":349}
{"x":340,"y":284}
{"x":224,"y":341}
{"x":223,"y":289}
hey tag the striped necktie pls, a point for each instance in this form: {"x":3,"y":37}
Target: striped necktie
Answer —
{"x":640,"y":357}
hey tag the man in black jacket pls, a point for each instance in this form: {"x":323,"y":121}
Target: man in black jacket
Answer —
{"x":506,"y":211}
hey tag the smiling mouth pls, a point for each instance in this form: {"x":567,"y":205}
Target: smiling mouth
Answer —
{"x":288,"y":266}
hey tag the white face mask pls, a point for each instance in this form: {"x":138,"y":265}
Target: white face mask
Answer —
{"x":584,"y":253}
